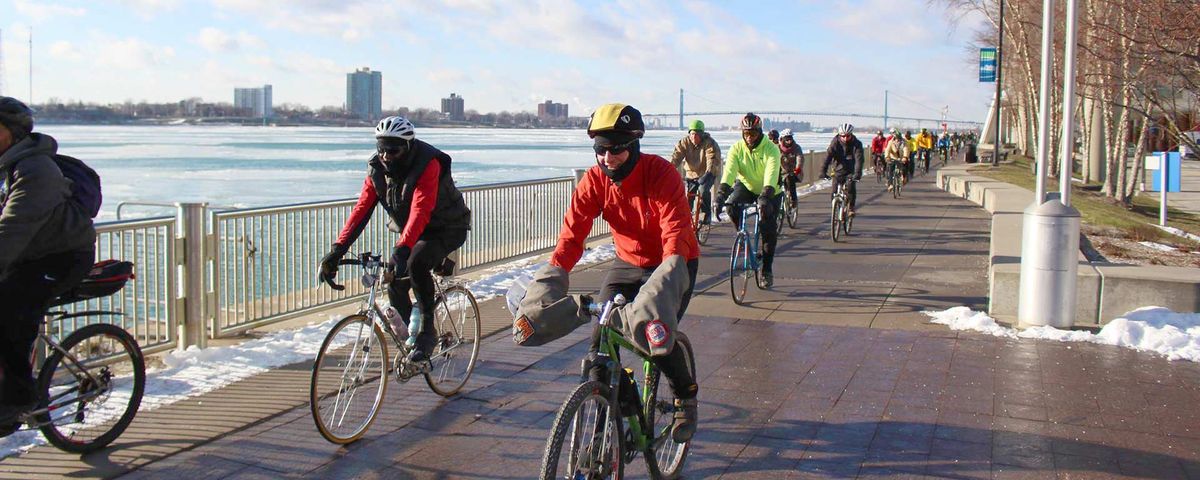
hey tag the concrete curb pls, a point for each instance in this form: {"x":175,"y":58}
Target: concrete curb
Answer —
{"x":1104,"y":291}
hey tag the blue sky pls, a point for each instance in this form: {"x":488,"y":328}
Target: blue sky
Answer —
{"x":835,"y":55}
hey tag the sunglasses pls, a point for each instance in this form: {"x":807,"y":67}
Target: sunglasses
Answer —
{"x":613,"y":149}
{"x":390,"y":150}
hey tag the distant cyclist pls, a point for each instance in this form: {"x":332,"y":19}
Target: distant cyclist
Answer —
{"x":642,"y":199}
{"x":912,"y":152}
{"x":845,"y":154}
{"x":925,"y":146}
{"x":943,"y":146}
{"x":896,"y":154}
{"x":752,"y":171}
{"x":412,"y":181}
{"x":698,"y":158}
{"x":791,"y":160}
{"x":877,"y":145}
{"x":774,"y":136}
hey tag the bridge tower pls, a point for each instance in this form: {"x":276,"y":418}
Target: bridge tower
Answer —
{"x":681,"y":109}
{"x":885,"y":105}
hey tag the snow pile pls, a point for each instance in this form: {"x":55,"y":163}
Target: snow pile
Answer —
{"x":1181,"y":233}
{"x":1157,"y":246}
{"x":1148,"y":329}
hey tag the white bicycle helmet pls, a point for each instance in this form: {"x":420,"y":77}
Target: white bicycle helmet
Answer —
{"x":845,"y":128}
{"x":395,"y":127}
{"x":787,"y":132}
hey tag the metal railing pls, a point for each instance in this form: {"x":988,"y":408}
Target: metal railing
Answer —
{"x":150,"y":306}
{"x":209,"y":272}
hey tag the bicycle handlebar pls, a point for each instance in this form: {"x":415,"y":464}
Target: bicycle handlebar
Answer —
{"x":362,"y":259}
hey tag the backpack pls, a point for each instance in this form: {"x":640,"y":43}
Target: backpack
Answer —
{"x":85,"y":183}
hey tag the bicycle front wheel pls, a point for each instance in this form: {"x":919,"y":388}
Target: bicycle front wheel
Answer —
{"x":454,"y":356}
{"x":791,"y":215}
{"x":835,"y":221}
{"x":739,"y":268}
{"x":586,"y":441}
{"x":349,"y":379}
{"x":665,"y":458}
{"x":89,"y":404}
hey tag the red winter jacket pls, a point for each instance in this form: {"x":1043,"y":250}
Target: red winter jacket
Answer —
{"x":648,"y":214}
{"x":878,"y":144}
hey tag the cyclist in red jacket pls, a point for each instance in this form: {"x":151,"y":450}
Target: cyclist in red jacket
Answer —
{"x":642,"y":198}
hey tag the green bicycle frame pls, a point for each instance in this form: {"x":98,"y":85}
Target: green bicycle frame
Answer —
{"x":609,"y":343}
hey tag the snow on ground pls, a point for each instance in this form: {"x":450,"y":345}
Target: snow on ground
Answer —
{"x":1157,"y":246}
{"x":196,"y":371}
{"x":1147,"y":329}
{"x":1179,"y":232}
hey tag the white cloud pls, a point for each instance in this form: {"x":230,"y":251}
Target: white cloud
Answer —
{"x":216,"y":40}
{"x":444,"y":76}
{"x":41,"y":11}
{"x":130,"y":53}
{"x":64,"y":49}
{"x":884,"y":21}
{"x":150,"y":8}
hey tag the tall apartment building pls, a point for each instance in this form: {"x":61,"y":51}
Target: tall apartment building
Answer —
{"x":453,"y":107}
{"x":549,"y":109}
{"x":256,"y":99}
{"x":364,"y":93}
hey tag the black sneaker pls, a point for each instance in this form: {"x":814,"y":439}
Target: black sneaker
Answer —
{"x":10,"y":414}
{"x":768,"y":279}
{"x":424,"y":347}
{"x":685,"y":420}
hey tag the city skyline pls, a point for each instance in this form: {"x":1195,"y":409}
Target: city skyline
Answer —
{"x":505,"y":57}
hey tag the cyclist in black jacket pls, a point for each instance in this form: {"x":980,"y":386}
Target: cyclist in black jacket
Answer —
{"x":848,"y":151}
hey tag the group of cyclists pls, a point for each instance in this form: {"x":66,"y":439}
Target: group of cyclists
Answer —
{"x":905,"y":151}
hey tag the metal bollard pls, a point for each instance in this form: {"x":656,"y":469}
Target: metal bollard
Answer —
{"x":1049,"y":264}
{"x":191,"y":326}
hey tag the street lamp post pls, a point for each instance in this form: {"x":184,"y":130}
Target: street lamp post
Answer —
{"x":999,"y":66}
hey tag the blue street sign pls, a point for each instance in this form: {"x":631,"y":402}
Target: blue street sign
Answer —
{"x":1173,"y":172}
{"x":987,"y":65}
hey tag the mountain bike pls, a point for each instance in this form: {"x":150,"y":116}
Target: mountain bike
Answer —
{"x":350,"y":374}
{"x":607,"y":420}
{"x":91,"y":384}
{"x":744,"y":257}
{"x":696,"y":201}
{"x":840,"y":218}
{"x":787,"y":214}
{"x":879,"y":166}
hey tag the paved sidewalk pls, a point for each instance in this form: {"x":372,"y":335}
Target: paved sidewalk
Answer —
{"x":832,"y":374}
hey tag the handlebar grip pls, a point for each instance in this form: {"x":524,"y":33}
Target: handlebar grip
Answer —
{"x":335,"y":286}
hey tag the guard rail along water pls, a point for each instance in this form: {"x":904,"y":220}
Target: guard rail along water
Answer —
{"x":209,"y":272}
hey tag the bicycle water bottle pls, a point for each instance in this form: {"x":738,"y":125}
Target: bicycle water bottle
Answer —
{"x":414,"y":326}
{"x":393,"y":319}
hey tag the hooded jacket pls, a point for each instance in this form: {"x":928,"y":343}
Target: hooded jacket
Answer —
{"x":846,"y":157}
{"x":756,"y":169}
{"x":647,"y":212}
{"x":38,"y":217}
{"x":693,"y":161}
{"x":897,"y":149}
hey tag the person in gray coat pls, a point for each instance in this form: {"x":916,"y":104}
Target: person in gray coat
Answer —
{"x":47,"y":246}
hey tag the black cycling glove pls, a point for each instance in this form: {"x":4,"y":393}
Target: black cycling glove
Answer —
{"x":329,"y":264}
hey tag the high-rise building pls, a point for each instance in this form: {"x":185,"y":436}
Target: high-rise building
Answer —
{"x":364,"y":93}
{"x":256,"y":99}
{"x":549,"y":109}
{"x":453,"y":107}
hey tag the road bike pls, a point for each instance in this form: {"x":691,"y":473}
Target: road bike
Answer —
{"x":609,"y":418}
{"x":744,"y":257}
{"x":696,"y":201}
{"x":896,"y":178}
{"x":350,"y":374}
{"x":90,"y":386}
{"x":840,"y":218}
{"x":787,"y":213}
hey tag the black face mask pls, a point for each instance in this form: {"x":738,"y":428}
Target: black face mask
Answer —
{"x":626,"y":168}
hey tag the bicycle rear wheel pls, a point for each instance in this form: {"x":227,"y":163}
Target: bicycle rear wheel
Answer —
{"x":665,"y":457}
{"x":456,"y":320}
{"x":349,"y":379}
{"x":589,"y":428}
{"x":739,"y":268}
{"x":79,"y":415}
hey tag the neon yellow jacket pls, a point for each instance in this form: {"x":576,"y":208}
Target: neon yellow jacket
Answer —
{"x":754,"y":168}
{"x":925,"y":141}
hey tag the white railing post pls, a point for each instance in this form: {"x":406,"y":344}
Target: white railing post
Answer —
{"x":192,"y":325}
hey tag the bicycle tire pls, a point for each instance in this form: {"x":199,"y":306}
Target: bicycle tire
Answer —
{"x":366,"y":338}
{"x":122,"y":382}
{"x":657,"y":457}
{"x":567,"y":423}
{"x":739,"y":262}
{"x":456,"y":308}
{"x":848,"y":223}
{"x":791,"y":216}
{"x":835,"y":220}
